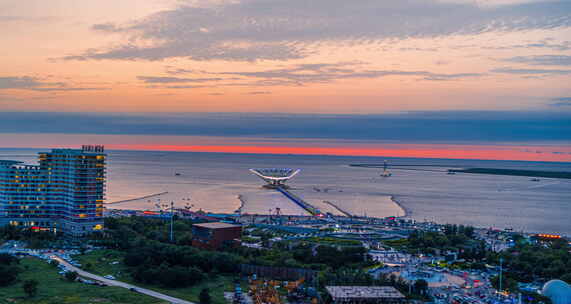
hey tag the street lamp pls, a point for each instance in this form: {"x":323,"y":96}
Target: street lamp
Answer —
{"x":172,"y":219}
{"x":501,"y":261}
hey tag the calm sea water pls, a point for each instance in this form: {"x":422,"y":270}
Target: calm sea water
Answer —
{"x":213,"y":182}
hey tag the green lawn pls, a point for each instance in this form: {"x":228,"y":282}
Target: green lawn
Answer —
{"x":52,"y":289}
{"x":333,"y":241}
{"x":100,"y":262}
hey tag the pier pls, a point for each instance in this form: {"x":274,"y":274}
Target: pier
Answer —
{"x":347,"y":214}
{"x":137,"y":198}
{"x":300,"y":202}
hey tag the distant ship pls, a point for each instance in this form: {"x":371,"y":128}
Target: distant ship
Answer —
{"x":535,"y":179}
{"x":177,"y":174}
{"x":451,"y":172}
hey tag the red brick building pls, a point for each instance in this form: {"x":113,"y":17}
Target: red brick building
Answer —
{"x":215,"y":235}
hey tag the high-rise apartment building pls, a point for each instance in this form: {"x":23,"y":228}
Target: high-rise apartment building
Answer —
{"x":65,"y":192}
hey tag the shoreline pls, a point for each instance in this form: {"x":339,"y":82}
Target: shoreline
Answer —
{"x":397,"y":200}
{"x":242,"y":204}
{"x":407,"y":212}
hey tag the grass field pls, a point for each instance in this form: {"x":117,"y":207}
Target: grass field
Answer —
{"x":103,"y":262}
{"x":53,"y":289}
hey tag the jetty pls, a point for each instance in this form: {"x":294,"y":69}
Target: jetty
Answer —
{"x":138,"y":198}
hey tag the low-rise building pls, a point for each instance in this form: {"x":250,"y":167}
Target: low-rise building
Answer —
{"x":215,"y":235}
{"x":364,"y":294}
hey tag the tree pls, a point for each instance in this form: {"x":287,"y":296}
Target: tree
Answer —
{"x":420,"y":286}
{"x":8,"y":274}
{"x":71,"y":276}
{"x":30,"y":287}
{"x":566,"y":277}
{"x":7,"y":259}
{"x":204,"y":296}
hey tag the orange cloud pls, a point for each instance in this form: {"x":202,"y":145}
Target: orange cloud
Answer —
{"x":406,"y":150}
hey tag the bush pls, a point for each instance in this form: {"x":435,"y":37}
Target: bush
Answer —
{"x":6,"y":259}
{"x":8,"y":274}
{"x":204,"y":296}
{"x":179,"y":276}
{"x":168,"y":276}
{"x":71,"y":276}
{"x":30,"y":287}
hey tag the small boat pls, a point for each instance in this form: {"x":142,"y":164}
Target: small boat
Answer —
{"x":451,"y":172}
{"x":177,"y":174}
{"x":535,"y":179}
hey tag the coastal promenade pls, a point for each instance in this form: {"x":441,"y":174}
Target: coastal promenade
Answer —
{"x":109,"y":282}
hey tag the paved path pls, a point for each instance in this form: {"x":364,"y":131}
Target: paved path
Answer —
{"x":120,"y":284}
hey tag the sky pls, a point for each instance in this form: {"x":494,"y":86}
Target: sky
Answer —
{"x":487,"y":73}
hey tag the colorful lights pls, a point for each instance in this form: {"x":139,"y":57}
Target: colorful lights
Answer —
{"x":548,"y":236}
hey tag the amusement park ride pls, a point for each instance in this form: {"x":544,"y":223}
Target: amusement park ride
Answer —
{"x":266,"y":291}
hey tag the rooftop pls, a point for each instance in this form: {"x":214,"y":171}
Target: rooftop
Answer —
{"x":216,"y":225}
{"x":72,"y":151}
{"x":364,"y":292}
{"x":10,"y":162}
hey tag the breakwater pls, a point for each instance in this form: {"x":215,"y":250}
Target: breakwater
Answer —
{"x":515,"y":172}
{"x":137,"y":198}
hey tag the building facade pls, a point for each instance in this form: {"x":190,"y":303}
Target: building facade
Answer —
{"x":64,"y":193}
{"x":212,"y":236}
{"x":365,"y":294}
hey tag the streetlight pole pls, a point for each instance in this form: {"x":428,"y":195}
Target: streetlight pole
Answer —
{"x":172,"y":219}
{"x":501,"y":260}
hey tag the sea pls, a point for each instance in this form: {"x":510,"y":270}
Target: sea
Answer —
{"x":422,"y":190}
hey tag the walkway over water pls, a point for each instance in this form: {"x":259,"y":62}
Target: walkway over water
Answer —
{"x":300,"y":202}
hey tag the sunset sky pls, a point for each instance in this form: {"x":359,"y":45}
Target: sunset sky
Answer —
{"x":420,"y":78}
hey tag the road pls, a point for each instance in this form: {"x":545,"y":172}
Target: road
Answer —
{"x":120,"y":284}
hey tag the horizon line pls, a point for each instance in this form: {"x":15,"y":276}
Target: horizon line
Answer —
{"x":299,"y":151}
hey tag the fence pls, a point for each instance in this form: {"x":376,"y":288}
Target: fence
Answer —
{"x":279,"y":273}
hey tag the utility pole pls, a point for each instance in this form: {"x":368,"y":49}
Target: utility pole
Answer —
{"x":172,"y":219}
{"x":501,"y":260}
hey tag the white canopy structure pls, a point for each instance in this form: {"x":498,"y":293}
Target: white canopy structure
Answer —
{"x":275,"y":177}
